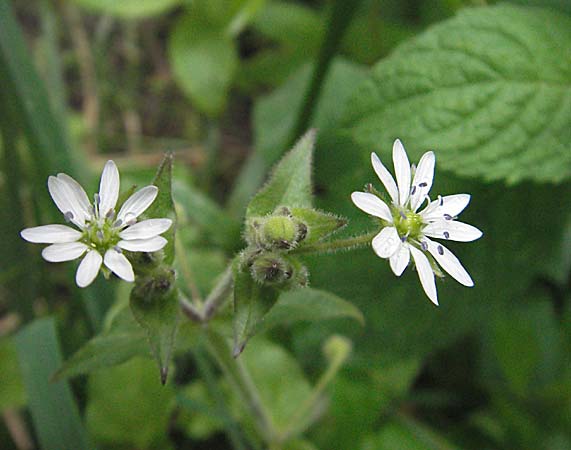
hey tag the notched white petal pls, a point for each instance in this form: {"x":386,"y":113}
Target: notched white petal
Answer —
{"x":399,"y":261}
{"x":450,"y":263}
{"x":372,"y":205}
{"x":146,"y":229}
{"x":143,"y":245}
{"x":64,"y":252}
{"x":119,"y":265}
{"x":385,"y":177}
{"x":63,"y":200}
{"x":75,"y":189}
{"x":137,"y":203}
{"x":387,"y":242}
{"x":88,"y":269}
{"x":402,"y":171}
{"x":108,"y":188}
{"x":452,"y":230}
{"x":425,"y":274}
{"x":422,"y":181}
{"x":50,"y":234}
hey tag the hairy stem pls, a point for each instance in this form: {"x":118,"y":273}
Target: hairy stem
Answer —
{"x":339,"y":245}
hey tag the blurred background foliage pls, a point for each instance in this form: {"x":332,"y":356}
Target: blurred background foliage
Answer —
{"x":227,"y":86}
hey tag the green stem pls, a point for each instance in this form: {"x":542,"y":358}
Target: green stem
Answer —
{"x":339,"y":245}
{"x":218,"y":295}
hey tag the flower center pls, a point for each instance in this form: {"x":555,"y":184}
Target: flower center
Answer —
{"x":408,"y":224}
{"x":101,"y":234}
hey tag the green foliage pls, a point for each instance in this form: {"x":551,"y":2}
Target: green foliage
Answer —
{"x":12,"y":394}
{"x":486,"y":89}
{"x":129,"y":9}
{"x":319,"y":224}
{"x":290,"y":182}
{"x":54,"y":413}
{"x":204,"y":60}
{"x":128,"y":407}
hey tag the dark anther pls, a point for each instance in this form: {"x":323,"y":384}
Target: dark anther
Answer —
{"x":118,"y":249}
{"x":447,"y":216}
{"x":403,"y":239}
{"x":68,"y":216}
{"x":440,"y":200}
{"x":424,"y":245}
{"x":100,"y":235}
{"x":110,"y":214}
{"x":446,"y":234}
{"x":440,"y":250}
{"x":117,"y":223}
{"x":413,"y":190}
{"x":403,"y":215}
{"x":423,"y":184}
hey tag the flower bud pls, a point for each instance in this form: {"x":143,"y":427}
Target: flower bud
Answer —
{"x":280,"y":232}
{"x":271,"y":268}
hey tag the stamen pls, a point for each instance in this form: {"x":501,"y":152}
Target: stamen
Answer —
{"x":132,"y":221}
{"x":117,"y":223}
{"x":100,"y":235}
{"x":423,"y":184}
{"x":424,"y":245}
{"x":440,"y":250}
{"x":403,"y":215}
{"x":91,"y":210}
{"x":446,"y":234}
{"x":413,"y":190}
{"x":118,"y":249}
{"x":68,"y":216}
{"x":110,"y":214}
{"x":447,"y":216}
{"x":96,"y":198}
{"x":440,"y":200}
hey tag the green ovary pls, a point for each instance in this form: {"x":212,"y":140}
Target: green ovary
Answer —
{"x":101,"y":236}
{"x":408,"y":224}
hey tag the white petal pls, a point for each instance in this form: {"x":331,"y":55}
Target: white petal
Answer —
{"x":385,"y":177}
{"x":80,"y":197}
{"x":425,"y":274}
{"x":119,"y":265}
{"x":137,"y":203}
{"x":372,"y":205}
{"x":143,"y":245}
{"x":387,"y":242}
{"x":64,"y":252}
{"x":422,"y":181}
{"x":449,"y":263}
{"x":399,"y":261}
{"x":452,"y":230}
{"x":66,"y":201}
{"x":50,"y":234}
{"x":146,"y":229}
{"x":108,"y":188}
{"x":88,"y":269}
{"x":450,"y":204}
{"x":402,"y":170}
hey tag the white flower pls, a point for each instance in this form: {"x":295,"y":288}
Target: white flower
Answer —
{"x":406,"y":231}
{"x":102,"y":234}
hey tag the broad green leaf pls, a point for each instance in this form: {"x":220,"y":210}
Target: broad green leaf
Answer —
{"x":127,"y":407}
{"x":12,"y":394}
{"x":54,"y":412}
{"x":290,"y":182}
{"x":488,"y":90}
{"x":200,"y":418}
{"x":122,"y":341}
{"x":308,"y":304}
{"x":252,"y":302}
{"x":204,"y":59}
{"x":129,"y":9}
{"x":319,"y":224}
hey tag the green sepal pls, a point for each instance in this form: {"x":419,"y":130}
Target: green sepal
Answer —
{"x":163,"y":206}
{"x":290,"y":182}
{"x":252,"y":301}
{"x":154,"y":304}
{"x":319,"y":224}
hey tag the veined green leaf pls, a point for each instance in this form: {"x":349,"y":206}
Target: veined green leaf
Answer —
{"x":319,"y":224}
{"x":290,"y":182}
{"x":54,"y":412}
{"x":129,"y":9}
{"x":490,"y":90}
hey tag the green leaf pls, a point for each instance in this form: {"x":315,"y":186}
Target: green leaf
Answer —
{"x":487,"y":89}
{"x":252,"y":302}
{"x":290,"y":182}
{"x":129,"y":9}
{"x":122,"y":341}
{"x":308,"y":304}
{"x":127,"y":407}
{"x":319,"y":224}
{"x":54,"y":412}
{"x":12,"y":394}
{"x":204,"y":60}
{"x":154,"y":303}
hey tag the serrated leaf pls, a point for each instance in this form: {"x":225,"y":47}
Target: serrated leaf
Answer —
{"x":290,"y":182}
{"x":308,"y":304}
{"x":154,"y":303}
{"x":252,"y":301}
{"x":122,"y":341}
{"x":129,"y":9}
{"x":490,"y":90}
{"x":319,"y":224}
{"x":204,"y":59}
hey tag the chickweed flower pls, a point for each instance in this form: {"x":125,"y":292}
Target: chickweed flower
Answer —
{"x":407,"y":231}
{"x":101,"y":234}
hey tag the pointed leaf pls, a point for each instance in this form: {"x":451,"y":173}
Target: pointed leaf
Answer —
{"x":252,"y":302}
{"x":319,"y":224}
{"x":290,"y":182}
{"x":308,"y":304}
{"x":154,"y":303}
